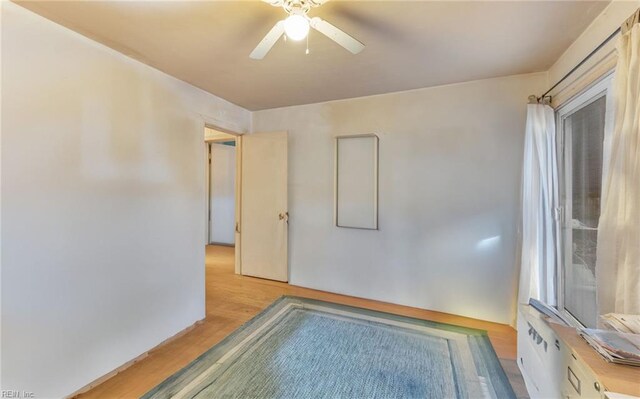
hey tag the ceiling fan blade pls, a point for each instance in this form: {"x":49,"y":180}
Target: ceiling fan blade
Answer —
{"x":268,"y":41}
{"x":280,"y":3}
{"x":336,"y":35}
{"x":275,"y":3}
{"x":314,"y":3}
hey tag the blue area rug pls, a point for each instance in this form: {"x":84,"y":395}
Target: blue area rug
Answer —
{"x":302,"y":348}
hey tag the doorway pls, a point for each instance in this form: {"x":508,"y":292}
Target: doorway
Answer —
{"x":246,"y":200}
{"x":221,"y":175}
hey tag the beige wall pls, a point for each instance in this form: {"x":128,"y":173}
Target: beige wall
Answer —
{"x":103,"y":205}
{"x":601,"y":27}
{"x":450,"y":165}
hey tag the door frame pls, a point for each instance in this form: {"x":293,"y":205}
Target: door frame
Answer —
{"x":238,"y":187}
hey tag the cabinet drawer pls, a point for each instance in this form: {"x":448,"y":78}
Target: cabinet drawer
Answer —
{"x":578,"y":382}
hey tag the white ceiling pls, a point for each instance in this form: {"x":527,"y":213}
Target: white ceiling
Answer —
{"x":410,"y":44}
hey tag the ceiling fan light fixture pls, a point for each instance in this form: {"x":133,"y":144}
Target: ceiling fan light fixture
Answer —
{"x":296,"y":27}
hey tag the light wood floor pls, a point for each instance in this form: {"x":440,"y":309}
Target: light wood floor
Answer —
{"x":232,"y":300}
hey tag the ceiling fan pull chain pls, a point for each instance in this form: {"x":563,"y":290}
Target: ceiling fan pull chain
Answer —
{"x":307,"y":52}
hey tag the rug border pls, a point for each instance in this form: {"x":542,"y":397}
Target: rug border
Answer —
{"x":226,"y":340}
{"x":496,"y":367}
{"x":394,"y":316}
{"x":480,"y":336}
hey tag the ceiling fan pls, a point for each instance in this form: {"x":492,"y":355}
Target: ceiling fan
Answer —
{"x":296,"y":27}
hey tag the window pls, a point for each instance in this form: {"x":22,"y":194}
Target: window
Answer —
{"x":582,"y":129}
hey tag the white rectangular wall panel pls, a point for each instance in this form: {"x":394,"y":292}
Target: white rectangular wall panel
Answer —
{"x":356,"y":197}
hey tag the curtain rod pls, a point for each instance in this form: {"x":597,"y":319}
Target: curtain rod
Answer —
{"x":585,"y":59}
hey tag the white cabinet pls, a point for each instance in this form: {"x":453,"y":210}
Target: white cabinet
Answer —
{"x":549,"y":367}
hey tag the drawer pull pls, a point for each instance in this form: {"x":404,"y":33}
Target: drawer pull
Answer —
{"x":596,"y":385}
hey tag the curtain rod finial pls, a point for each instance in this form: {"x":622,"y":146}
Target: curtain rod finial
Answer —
{"x":533,"y":99}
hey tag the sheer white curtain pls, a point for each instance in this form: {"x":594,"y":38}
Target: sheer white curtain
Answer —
{"x":539,"y":202}
{"x":618,"y":253}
